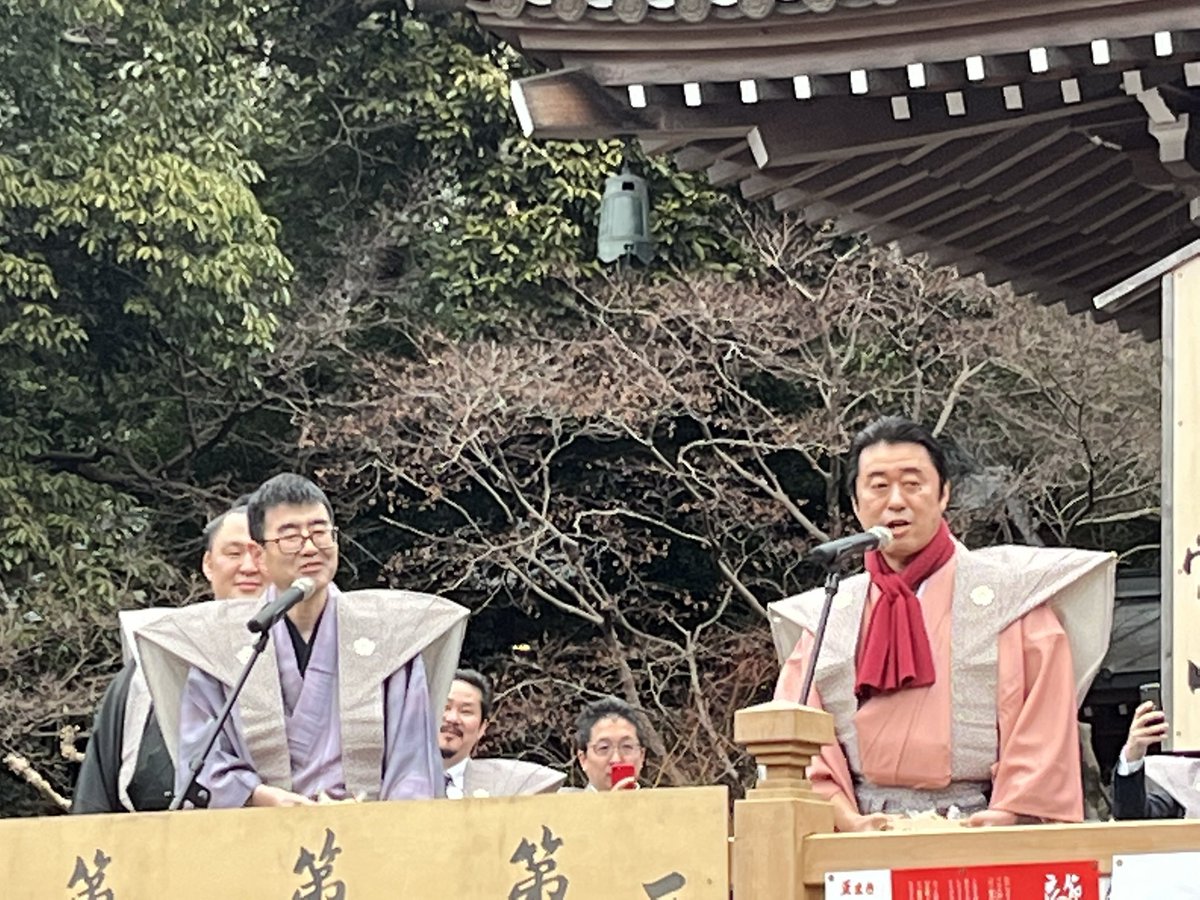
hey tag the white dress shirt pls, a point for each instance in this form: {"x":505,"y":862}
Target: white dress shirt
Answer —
{"x":454,"y":780}
{"x":1125,"y":767}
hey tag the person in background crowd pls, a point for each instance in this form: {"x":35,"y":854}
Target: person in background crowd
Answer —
{"x":1175,"y":789}
{"x":609,"y":732}
{"x":465,"y":721}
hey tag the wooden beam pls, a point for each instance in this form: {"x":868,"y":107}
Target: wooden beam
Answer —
{"x":823,"y":129}
{"x":569,"y":104}
{"x":821,"y":178}
{"x":1117,"y":297}
{"x":701,"y":154}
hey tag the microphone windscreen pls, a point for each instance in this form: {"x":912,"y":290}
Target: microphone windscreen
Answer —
{"x":305,"y":585}
{"x":883,"y":533}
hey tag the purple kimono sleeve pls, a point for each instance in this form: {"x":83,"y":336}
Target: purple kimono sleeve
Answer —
{"x":412,"y":763}
{"x":228,"y":773}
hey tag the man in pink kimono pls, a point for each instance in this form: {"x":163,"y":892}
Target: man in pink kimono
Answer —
{"x":340,"y":706}
{"x":949,"y":673}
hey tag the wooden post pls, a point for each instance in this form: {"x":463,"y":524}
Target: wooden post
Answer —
{"x":770,"y":825}
{"x":1179,"y":617}
{"x":1181,"y":501}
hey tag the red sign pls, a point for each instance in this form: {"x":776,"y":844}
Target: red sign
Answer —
{"x":1023,"y":881}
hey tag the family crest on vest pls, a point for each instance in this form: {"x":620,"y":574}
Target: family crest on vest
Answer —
{"x":953,"y":676}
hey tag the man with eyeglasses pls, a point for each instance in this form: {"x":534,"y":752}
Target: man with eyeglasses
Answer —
{"x":127,"y":767}
{"x":339,"y":707}
{"x":609,"y":732}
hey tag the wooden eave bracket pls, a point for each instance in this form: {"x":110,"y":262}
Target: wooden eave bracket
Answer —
{"x":569,"y":104}
{"x":1178,"y":146}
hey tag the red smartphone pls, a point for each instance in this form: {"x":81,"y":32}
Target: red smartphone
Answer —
{"x":620,"y":772}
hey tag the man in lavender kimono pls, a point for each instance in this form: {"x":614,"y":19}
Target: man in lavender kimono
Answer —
{"x":340,"y":706}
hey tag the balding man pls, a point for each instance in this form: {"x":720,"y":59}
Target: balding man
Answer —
{"x":127,"y":767}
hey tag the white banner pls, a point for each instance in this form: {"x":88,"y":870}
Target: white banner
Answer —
{"x":1155,"y":876}
{"x":874,"y":883}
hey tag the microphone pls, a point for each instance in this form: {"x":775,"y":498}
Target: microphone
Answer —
{"x":301,"y":589}
{"x":835,"y":551}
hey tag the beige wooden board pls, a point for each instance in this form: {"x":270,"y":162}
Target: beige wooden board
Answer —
{"x":611,"y":846}
{"x":1185,"y":504}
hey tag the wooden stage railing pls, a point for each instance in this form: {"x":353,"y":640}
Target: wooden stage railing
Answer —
{"x":784,"y":846}
{"x":669,"y":843}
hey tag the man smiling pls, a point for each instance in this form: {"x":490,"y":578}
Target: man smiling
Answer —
{"x":127,"y":767}
{"x":342,"y":707}
{"x":950,"y":677}
{"x":465,"y":721}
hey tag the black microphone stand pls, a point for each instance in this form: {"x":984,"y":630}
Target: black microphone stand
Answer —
{"x":833,"y":577}
{"x":195,"y":792}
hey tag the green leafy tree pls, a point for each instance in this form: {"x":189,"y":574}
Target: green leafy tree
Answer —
{"x":134,"y":261}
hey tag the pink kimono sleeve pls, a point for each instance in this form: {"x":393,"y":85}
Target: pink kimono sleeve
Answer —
{"x":829,"y":772}
{"x":1038,"y":773}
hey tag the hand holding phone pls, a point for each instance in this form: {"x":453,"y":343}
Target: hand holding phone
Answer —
{"x":1149,"y":725}
{"x":622,"y":777}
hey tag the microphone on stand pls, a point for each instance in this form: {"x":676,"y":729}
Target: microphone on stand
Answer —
{"x":301,"y":589}
{"x":835,"y":551}
{"x":829,"y":554}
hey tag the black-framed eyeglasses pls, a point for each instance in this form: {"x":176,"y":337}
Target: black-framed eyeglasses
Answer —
{"x":291,"y":544}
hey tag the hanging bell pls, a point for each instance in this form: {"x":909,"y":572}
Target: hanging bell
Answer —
{"x":625,"y":219}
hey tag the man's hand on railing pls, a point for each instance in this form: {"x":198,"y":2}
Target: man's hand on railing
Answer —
{"x":846,"y":816}
{"x":989,"y":817}
{"x":266,"y":795}
{"x":870,"y":822}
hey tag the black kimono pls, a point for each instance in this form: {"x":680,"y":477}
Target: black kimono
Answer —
{"x":97,"y":789}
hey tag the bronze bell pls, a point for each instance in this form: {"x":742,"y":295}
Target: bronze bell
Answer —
{"x":625,"y":219}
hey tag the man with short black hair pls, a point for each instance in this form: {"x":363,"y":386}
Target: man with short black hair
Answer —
{"x":126,"y":767}
{"x":465,"y":721}
{"x":340,"y":706}
{"x":610,"y":731}
{"x":952,"y":681}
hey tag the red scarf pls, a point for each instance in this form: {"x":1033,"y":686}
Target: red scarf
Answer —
{"x":896,"y":653}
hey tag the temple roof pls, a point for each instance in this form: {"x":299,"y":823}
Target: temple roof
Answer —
{"x":1045,"y":143}
{"x":691,"y":11}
